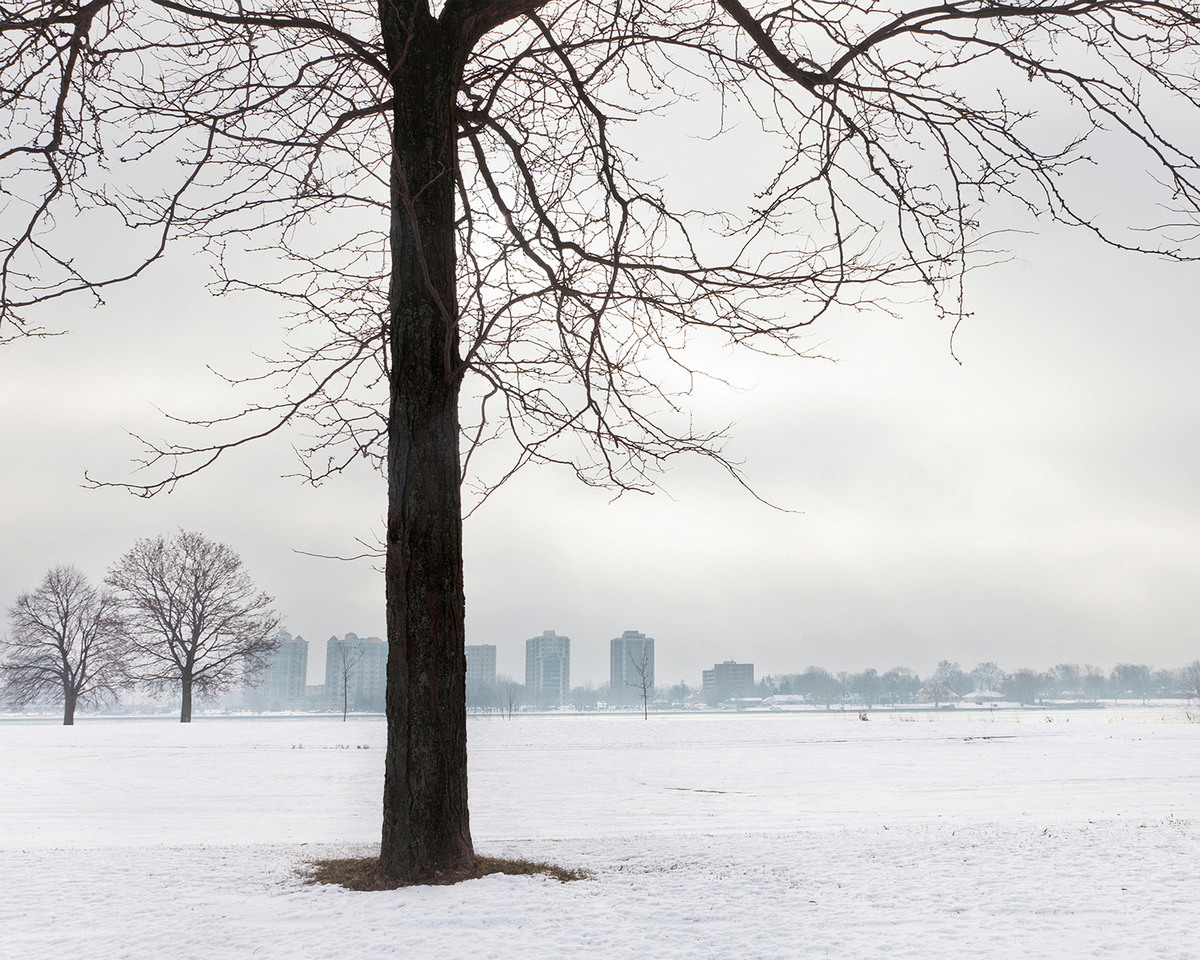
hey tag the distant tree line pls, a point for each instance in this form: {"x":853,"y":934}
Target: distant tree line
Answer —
{"x":900,"y":685}
{"x":175,"y":613}
{"x":1064,"y":681}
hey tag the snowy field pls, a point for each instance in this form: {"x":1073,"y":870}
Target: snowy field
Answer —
{"x":931,"y":836}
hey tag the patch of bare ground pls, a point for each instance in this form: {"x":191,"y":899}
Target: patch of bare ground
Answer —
{"x":364,"y":873}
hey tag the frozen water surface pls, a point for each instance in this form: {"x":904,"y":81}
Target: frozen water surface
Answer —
{"x":935,"y":835}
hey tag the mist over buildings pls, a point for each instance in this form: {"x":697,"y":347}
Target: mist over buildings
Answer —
{"x":1035,"y":504}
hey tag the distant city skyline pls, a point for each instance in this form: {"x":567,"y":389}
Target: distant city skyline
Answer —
{"x":548,"y":685}
{"x":595,"y":655}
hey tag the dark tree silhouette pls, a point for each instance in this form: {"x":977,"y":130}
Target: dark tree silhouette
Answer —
{"x":67,"y":644}
{"x":449,"y":196}
{"x":195,"y":620}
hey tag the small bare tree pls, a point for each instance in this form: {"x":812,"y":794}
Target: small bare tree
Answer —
{"x":196,"y":621}
{"x":345,"y":655}
{"x":511,"y":695}
{"x":67,"y":642}
{"x":641,"y":673}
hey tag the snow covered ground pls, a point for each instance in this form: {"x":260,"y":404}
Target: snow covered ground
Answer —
{"x":933,"y":836}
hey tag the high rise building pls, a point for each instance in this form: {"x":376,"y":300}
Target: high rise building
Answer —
{"x":631,"y":667}
{"x":727,"y":681}
{"x":481,"y":664}
{"x":356,"y":672}
{"x":280,"y":686}
{"x":547,"y":670}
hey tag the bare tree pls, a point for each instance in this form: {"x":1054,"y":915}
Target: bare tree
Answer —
{"x":67,"y":643}
{"x":345,"y":656}
{"x":450,"y":194}
{"x":1067,"y":678}
{"x":511,"y":695}
{"x":680,"y":694}
{"x":820,"y":686}
{"x":195,"y":619}
{"x":1190,"y":681}
{"x":987,"y":676}
{"x":1024,"y":686}
{"x":951,"y":676}
{"x":1093,"y":682}
{"x":867,"y":685}
{"x":1130,"y":679}
{"x":936,"y":691}
{"x":900,"y":684}
{"x":641,"y":674}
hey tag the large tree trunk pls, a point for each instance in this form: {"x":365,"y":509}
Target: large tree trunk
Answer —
{"x":69,"y":701}
{"x":185,"y":707}
{"x":425,"y":824}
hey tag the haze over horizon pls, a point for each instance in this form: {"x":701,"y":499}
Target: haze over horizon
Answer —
{"x":1035,"y":504}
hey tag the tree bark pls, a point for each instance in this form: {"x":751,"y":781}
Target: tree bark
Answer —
{"x":69,"y":701}
{"x":185,"y":708}
{"x":426,"y":830}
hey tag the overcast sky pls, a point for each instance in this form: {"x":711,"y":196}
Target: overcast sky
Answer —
{"x":1037,"y":503}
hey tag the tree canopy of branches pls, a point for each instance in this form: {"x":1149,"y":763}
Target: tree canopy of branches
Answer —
{"x":67,"y":644}
{"x":196,"y":621}
{"x":450,"y":199}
